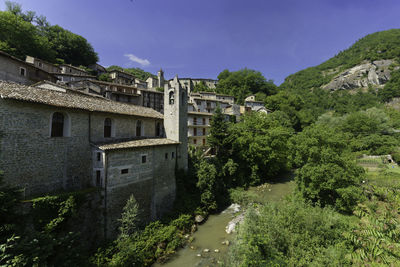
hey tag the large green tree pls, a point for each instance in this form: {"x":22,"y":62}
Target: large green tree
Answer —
{"x":243,"y":83}
{"x":25,"y":33}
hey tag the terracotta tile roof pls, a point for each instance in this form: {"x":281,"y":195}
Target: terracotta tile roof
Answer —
{"x":72,"y":99}
{"x":137,"y":143}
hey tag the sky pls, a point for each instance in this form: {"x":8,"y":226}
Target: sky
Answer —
{"x":199,"y":39}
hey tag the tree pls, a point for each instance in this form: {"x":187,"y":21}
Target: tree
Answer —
{"x":130,"y":218}
{"x":327,"y":174}
{"x":258,"y":147}
{"x":20,"y":38}
{"x":207,"y":184}
{"x":243,"y":83}
{"x":202,"y":87}
{"x":218,"y":133}
{"x":72,"y":48}
{"x":10,"y":198}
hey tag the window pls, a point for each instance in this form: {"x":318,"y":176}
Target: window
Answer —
{"x":194,"y":141}
{"x":166,"y":155}
{"x":204,"y":142}
{"x":22,"y":71}
{"x":144,"y":159}
{"x":98,"y":178}
{"x":204,"y":131}
{"x":158,"y":129}
{"x":57,"y":124}
{"x":194,"y":131}
{"x":124,"y":171}
{"x":116,"y":97}
{"x":40,"y":64}
{"x":171,"y":98}
{"x":204,"y":121}
{"x":194,"y":121}
{"x":107,"y":127}
{"x":173,"y":155}
{"x":98,"y":156}
{"x":139,"y":128}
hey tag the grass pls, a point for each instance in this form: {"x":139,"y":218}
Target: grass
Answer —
{"x":382,"y":174}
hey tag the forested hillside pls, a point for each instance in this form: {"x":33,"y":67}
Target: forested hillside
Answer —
{"x":25,"y":33}
{"x":376,"y":46}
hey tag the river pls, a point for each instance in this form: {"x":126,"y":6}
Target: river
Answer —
{"x":209,"y":245}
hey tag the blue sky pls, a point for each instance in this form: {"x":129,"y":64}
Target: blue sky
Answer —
{"x":201,"y":38}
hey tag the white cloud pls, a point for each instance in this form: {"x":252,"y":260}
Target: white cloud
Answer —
{"x":133,"y":58}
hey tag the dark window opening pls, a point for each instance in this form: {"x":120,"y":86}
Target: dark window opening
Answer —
{"x":107,"y":127}
{"x":139,"y":128}
{"x":194,"y":131}
{"x":173,"y":155}
{"x":194,"y":121}
{"x":57,"y":125}
{"x":22,"y":71}
{"x":144,"y":159}
{"x":98,"y":156}
{"x":204,"y":142}
{"x":124,"y":171}
{"x":194,"y":141}
{"x":166,"y":155}
{"x":204,"y":121}
{"x":171,"y":98}
{"x":204,"y":131}
{"x":158,"y":129}
{"x":98,"y":178}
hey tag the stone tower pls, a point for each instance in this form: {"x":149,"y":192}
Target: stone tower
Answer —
{"x":175,"y":119}
{"x":160,"y":77}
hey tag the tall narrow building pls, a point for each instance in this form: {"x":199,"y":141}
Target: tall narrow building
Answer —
{"x":175,"y":119}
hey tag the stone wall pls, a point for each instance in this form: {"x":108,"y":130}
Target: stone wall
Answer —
{"x":33,"y":160}
{"x":10,"y":71}
{"x":152,"y":183}
{"x":122,"y":126}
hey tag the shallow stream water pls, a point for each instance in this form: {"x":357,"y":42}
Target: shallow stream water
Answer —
{"x":211,"y":234}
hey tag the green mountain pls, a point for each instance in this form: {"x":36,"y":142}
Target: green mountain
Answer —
{"x":352,"y":68}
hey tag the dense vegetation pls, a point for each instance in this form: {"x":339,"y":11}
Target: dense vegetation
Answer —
{"x":25,"y":33}
{"x":241,"y":84}
{"x":41,"y":236}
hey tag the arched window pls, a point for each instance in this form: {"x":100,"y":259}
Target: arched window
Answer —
{"x":107,"y":127}
{"x":57,"y":124}
{"x":171,"y":98}
{"x":158,"y":129}
{"x":139,"y":128}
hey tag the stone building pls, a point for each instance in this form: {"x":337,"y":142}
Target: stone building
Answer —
{"x":54,"y":140}
{"x":156,"y":82}
{"x":189,"y":83}
{"x":121,"y":77}
{"x":201,"y":107}
{"x":15,"y":70}
{"x":250,"y":103}
{"x":44,"y":65}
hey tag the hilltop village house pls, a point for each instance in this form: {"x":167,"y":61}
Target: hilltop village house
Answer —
{"x":59,"y":139}
{"x":125,"y":87}
{"x":16,"y":70}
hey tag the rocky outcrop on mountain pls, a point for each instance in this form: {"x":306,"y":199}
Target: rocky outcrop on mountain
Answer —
{"x":375,"y":73}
